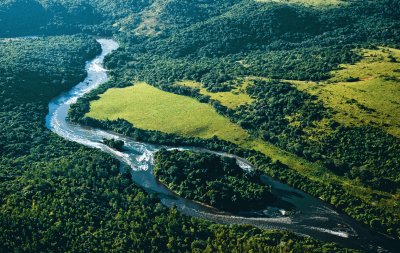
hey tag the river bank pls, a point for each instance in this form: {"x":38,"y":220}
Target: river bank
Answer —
{"x":312,"y":217}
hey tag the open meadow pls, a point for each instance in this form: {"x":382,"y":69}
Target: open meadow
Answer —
{"x":366,"y":93}
{"x":231,"y":99}
{"x":150,"y":108}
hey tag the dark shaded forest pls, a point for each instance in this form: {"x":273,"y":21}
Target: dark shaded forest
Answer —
{"x":217,"y":181}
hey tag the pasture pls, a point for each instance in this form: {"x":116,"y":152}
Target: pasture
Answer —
{"x":366,"y":93}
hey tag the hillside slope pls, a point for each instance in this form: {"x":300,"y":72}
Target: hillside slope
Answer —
{"x":316,"y":75}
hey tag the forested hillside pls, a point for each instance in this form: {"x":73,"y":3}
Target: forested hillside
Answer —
{"x":59,"y":196}
{"x":254,"y":42}
{"x":56,"y":195}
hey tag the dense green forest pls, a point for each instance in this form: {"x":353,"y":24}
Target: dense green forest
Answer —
{"x":264,"y":36}
{"x":378,"y":218}
{"x":326,"y":39}
{"x":366,"y":153}
{"x":59,"y":196}
{"x":44,"y":17}
{"x":213,"y":180}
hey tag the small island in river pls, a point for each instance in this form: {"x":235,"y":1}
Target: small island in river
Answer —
{"x":115,"y":144}
{"x":212,"y":179}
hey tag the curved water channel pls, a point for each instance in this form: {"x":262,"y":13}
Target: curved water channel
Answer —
{"x":309,"y":216}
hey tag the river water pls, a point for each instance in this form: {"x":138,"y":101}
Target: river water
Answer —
{"x":295,"y":211}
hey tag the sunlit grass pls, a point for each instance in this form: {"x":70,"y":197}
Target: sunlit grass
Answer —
{"x":149,"y":108}
{"x":230,"y":99}
{"x":366,"y":93}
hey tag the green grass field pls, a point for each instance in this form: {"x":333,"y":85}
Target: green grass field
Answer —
{"x":371,"y":97}
{"x":230,"y":99}
{"x":149,"y":108}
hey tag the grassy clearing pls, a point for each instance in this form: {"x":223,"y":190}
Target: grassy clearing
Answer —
{"x":150,"y":108}
{"x":366,"y":93}
{"x":230,"y":99}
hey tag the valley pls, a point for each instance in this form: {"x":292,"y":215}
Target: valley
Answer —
{"x":199,"y":126}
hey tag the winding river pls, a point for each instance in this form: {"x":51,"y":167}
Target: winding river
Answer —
{"x":309,"y":216}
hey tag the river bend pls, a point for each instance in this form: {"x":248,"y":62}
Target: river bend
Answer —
{"x":311,"y":217}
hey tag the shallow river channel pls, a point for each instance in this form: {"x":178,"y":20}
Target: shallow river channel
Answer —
{"x":309,"y":216}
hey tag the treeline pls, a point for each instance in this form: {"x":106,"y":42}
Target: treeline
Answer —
{"x":211,"y":179}
{"x":259,"y":39}
{"x":59,"y":196}
{"x":299,"y":64}
{"x":286,"y":117}
{"x":377,"y":217}
{"x":206,"y":40}
{"x":206,"y":48}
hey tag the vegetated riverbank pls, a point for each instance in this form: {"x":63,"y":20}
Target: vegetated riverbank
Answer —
{"x":209,"y":178}
{"x":279,"y":48}
{"x":58,"y":196}
{"x":287,"y":167}
{"x":140,"y":157}
{"x":353,"y":168}
{"x":150,"y":108}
